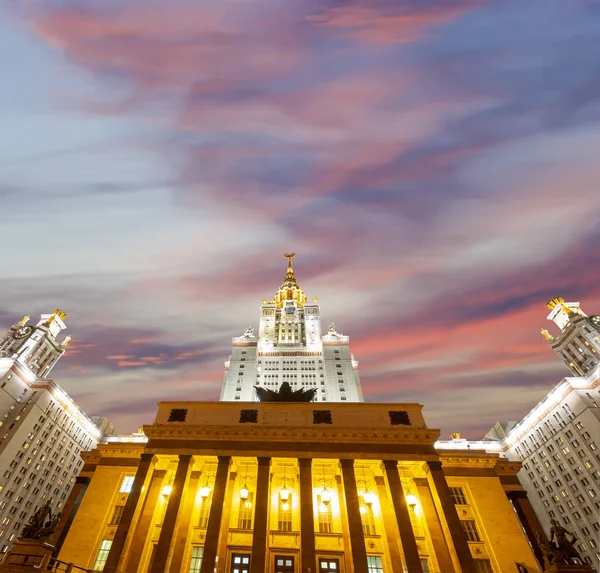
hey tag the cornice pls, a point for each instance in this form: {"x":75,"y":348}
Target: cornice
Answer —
{"x":288,"y":434}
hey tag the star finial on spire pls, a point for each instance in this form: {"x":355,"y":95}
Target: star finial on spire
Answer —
{"x":290,"y":257}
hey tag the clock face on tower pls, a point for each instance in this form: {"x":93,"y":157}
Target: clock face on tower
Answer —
{"x":595,"y":320}
{"x":23,"y":332}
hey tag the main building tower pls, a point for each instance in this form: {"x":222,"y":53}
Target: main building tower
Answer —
{"x":290,"y":347}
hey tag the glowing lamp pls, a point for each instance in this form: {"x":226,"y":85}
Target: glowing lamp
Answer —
{"x":244,"y":493}
{"x":369,"y":498}
{"x":325,"y":496}
{"x":412,"y":500}
{"x":204,"y":492}
{"x":284,"y":495}
{"x":166,"y":491}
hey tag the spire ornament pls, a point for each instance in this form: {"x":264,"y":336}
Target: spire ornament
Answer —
{"x":24,"y":320}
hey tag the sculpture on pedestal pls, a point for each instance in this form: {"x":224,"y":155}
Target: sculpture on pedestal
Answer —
{"x":41,"y":524}
{"x":561,"y":552}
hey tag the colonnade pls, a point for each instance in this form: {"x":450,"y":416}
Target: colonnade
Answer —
{"x":447,"y":537}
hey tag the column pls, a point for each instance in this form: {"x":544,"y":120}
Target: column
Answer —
{"x":389,"y":521}
{"x":261,"y":518}
{"x":68,"y":514}
{"x":528,"y":520}
{"x":307,"y":518}
{"x":140,"y":533}
{"x":226,"y":518}
{"x":434,"y":526}
{"x":357,"y":539}
{"x":214,"y":517}
{"x":124,"y":526}
{"x":161,"y":554}
{"x":439,"y":487}
{"x":183,"y":528}
{"x":407,"y":535}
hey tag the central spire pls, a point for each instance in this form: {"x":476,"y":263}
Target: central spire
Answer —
{"x":289,"y":276}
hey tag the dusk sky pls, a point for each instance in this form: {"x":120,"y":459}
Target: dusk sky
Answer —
{"x":434,"y":164}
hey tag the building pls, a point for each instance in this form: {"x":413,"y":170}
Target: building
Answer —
{"x":42,"y":431}
{"x":290,"y":347}
{"x":558,"y":441}
{"x":285,"y":487}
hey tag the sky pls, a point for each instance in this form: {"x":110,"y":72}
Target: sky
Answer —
{"x":433,"y":164}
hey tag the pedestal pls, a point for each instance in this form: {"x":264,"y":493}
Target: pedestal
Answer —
{"x":27,"y":554}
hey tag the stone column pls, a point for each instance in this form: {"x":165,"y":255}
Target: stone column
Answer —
{"x":258,"y":562}
{"x":434,"y":526}
{"x":529,"y":521}
{"x":357,"y":539}
{"x":214,"y":517}
{"x":183,"y":528}
{"x":442,"y":497}
{"x":407,"y":535}
{"x":161,"y":555}
{"x":226,"y":519}
{"x":389,"y":521}
{"x":307,"y":517}
{"x":140,"y":533}
{"x":68,"y":514}
{"x":114,"y":556}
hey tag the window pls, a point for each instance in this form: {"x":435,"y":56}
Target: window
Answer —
{"x":204,"y":511}
{"x":483,"y":566}
{"x":196,"y":561}
{"x":126,"y":484}
{"x":284,"y":518}
{"x":470,"y":530}
{"x":326,"y":564}
{"x":366,"y":514}
{"x":284,"y":564}
{"x":325,"y":516}
{"x":458,"y":496}
{"x":425,"y":566}
{"x":116,"y":516}
{"x":374,"y":564}
{"x":240,"y":563}
{"x":245,"y":514}
{"x":102,"y":555}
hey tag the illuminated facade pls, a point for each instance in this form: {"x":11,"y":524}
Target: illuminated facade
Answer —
{"x":290,"y":347}
{"x":559,"y":440}
{"x":296,"y":488}
{"x":42,"y":431}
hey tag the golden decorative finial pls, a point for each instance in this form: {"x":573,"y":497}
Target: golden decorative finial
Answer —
{"x":566,"y":309}
{"x":546,"y":334}
{"x":553,"y":302}
{"x":289,"y":257}
{"x":24,"y":320}
{"x":50,"y":320}
{"x":60,"y":313}
{"x":66,"y":341}
{"x":264,"y":301}
{"x":316,"y":300}
{"x":455,"y":436}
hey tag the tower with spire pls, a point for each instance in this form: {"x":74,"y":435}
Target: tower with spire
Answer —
{"x":578,"y":343}
{"x":290,"y":347}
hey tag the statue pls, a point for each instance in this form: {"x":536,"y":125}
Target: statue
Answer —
{"x":285,"y":394}
{"x":41,"y":523}
{"x":550,"y":550}
{"x":571,"y":555}
{"x":249,"y":332}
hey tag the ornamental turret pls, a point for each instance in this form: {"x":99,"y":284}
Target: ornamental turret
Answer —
{"x":36,"y":347}
{"x":578,"y":342}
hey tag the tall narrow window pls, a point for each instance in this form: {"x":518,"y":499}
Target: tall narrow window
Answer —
{"x":196,"y":561}
{"x":325,"y":516}
{"x":285,"y":516}
{"x":245,"y":515}
{"x":117,"y":513}
{"x":483,"y":566}
{"x":425,"y":566}
{"x":102,"y":555}
{"x":374,"y":564}
{"x":470,"y":530}
{"x":126,"y":484}
{"x":366,"y":514}
{"x":204,"y":512}
{"x":458,"y":496}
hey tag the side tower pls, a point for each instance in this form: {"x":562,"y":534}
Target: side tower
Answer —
{"x":36,"y":346}
{"x":578,"y":343}
{"x":290,"y":347}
